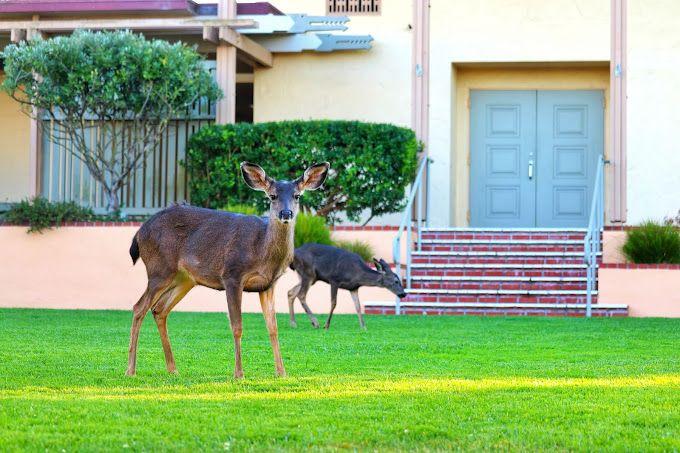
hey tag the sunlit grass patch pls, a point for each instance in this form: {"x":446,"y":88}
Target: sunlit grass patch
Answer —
{"x":407,"y":383}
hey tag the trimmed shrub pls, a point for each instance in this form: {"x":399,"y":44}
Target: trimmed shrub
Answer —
{"x":311,"y":228}
{"x":371,"y":164}
{"x":40,"y":214}
{"x":653,"y":243}
{"x":361,"y":248}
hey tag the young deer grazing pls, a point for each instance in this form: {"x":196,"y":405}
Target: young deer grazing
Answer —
{"x":340,"y":269}
{"x":183,"y":246}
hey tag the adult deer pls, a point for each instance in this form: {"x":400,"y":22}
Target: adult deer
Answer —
{"x":341,"y":269}
{"x":183,"y":246}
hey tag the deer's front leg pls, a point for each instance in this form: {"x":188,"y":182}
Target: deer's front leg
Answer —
{"x":234,"y":293}
{"x":269,"y":312}
{"x":357,"y":305}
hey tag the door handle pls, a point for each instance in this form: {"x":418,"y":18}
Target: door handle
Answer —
{"x":531,"y":169}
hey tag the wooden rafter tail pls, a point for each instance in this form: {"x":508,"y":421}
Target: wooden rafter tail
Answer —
{"x":315,"y":42}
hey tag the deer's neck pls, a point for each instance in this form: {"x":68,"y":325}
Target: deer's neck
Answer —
{"x":279,"y":241}
{"x":370,"y":278}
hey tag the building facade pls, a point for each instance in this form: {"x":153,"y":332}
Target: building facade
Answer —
{"x":516,"y":102}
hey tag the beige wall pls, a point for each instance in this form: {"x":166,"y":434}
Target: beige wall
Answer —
{"x":653,"y":112}
{"x":14,"y":150}
{"x":647,"y":292}
{"x":612,"y":241}
{"x":507,"y":77}
{"x":499,"y":31}
{"x":372,"y":85}
{"x":89,"y":267}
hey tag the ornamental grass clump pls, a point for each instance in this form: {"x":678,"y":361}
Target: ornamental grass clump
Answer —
{"x":361,"y":248}
{"x":311,"y":228}
{"x":653,"y":243}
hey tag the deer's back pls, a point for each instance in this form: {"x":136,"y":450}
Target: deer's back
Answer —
{"x":202,"y":242}
{"x":329,"y":264}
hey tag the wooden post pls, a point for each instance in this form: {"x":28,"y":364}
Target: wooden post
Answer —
{"x":618,"y":70}
{"x":225,"y":69}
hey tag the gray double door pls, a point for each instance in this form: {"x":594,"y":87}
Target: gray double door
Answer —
{"x":533,"y":157}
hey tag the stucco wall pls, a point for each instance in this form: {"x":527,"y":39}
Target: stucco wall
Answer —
{"x":372,"y":85}
{"x":647,"y":292}
{"x":14,"y":156}
{"x":89,"y":268}
{"x":498,"y":31}
{"x":653,"y":112}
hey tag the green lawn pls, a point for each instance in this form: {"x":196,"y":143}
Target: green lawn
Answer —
{"x":426,"y":383}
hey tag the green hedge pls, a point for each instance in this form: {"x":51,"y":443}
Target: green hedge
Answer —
{"x":371,"y":164}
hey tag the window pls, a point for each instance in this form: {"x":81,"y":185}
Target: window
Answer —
{"x":353,"y":7}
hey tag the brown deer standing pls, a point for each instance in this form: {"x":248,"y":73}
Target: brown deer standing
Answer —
{"x":183,"y":246}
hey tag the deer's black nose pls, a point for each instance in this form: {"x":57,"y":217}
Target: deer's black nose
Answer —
{"x":402,"y":295}
{"x":286,"y":214}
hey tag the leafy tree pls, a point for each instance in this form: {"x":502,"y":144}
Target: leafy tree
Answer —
{"x":116,"y":86}
{"x":371,"y":164}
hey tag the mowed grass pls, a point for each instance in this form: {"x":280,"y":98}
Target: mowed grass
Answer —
{"x":407,"y":383}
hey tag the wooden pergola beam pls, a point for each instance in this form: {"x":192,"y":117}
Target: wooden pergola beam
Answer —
{"x":252,"y":49}
{"x":159,"y":24}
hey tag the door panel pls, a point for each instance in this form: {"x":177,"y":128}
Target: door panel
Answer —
{"x":502,"y":142}
{"x":570,"y":139}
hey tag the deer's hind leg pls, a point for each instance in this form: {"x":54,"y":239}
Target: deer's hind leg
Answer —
{"x":334,"y":302}
{"x":170,"y":298}
{"x":154,"y":290}
{"x":292,"y":294}
{"x":302,"y":289}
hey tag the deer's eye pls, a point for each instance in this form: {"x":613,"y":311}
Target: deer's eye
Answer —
{"x":297,"y":197}
{"x":273,"y":197}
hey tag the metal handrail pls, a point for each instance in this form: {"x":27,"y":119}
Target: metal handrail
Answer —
{"x":407,"y":224}
{"x":593,"y":237}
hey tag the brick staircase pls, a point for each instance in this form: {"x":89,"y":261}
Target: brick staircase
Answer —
{"x":499,"y":272}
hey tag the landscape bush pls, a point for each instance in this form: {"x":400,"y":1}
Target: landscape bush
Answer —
{"x":40,"y":214}
{"x":653,"y":243}
{"x":371,"y":164}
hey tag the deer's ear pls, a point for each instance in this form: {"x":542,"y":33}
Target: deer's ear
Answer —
{"x":314,"y":177}
{"x":255,"y":176}
{"x":385,"y":266}
{"x":378,"y":266}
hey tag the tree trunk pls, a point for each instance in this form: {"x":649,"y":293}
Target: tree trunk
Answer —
{"x":112,"y":201}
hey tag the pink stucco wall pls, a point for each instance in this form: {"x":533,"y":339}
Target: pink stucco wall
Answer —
{"x":646,"y":291}
{"x":89,"y":267}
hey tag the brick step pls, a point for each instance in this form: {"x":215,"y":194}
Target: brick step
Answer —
{"x":498,"y":270}
{"x":497,"y":296}
{"x":502,"y":234}
{"x":490,"y":309}
{"x":494,"y":284}
{"x":451,"y":246}
{"x":461,"y":258}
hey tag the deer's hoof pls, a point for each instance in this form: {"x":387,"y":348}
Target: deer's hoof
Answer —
{"x":293,"y":324}
{"x":130,"y":372}
{"x":315,"y":323}
{"x":238,"y":375}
